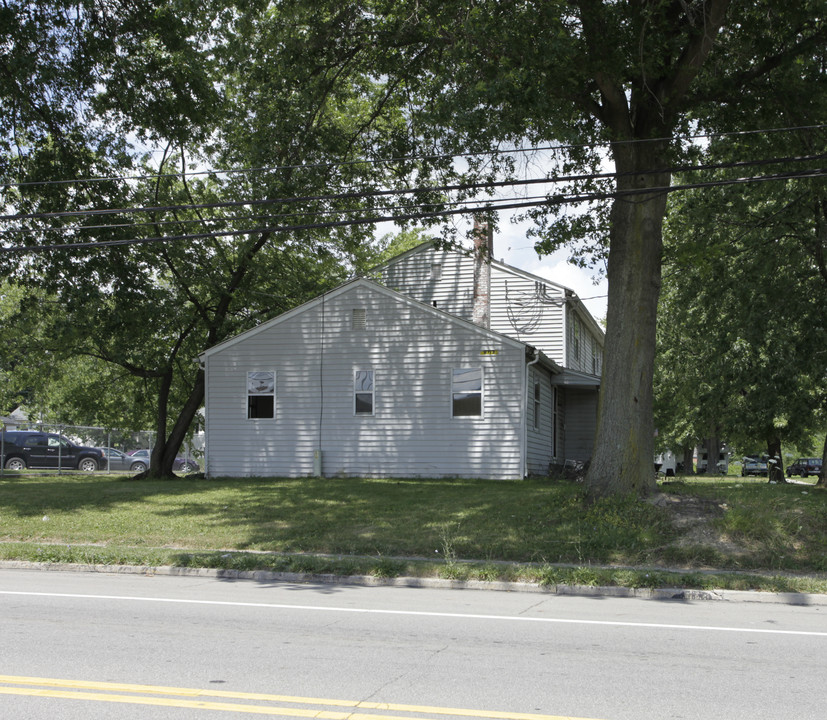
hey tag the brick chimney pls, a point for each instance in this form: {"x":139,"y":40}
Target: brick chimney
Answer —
{"x":483,"y":253}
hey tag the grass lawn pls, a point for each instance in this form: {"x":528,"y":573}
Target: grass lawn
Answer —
{"x":534,"y":530}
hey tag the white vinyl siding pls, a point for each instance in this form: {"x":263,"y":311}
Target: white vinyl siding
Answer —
{"x":449,"y":288}
{"x":540,"y":436}
{"x":528,"y":310}
{"x":411,"y":434}
{"x":585,"y":352}
{"x":522,"y":306}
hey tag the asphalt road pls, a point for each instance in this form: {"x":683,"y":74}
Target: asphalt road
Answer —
{"x":85,"y":645}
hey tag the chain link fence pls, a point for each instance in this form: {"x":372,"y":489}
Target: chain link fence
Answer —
{"x":124,"y":450}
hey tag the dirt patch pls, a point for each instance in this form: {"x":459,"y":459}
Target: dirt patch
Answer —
{"x":693,"y":518}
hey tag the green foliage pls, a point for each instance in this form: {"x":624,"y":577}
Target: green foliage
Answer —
{"x":392,"y":245}
{"x":279,"y":89}
{"x":316,"y":97}
{"x":740,"y":337}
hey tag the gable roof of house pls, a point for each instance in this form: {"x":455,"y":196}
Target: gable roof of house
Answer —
{"x":398,"y":297}
{"x":566,"y":292}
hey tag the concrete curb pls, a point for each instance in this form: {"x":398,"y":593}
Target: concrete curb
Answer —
{"x":679,"y":594}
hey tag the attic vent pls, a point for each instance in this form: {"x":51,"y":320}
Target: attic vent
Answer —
{"x":436,"y":271}
{"x":359,"y":321}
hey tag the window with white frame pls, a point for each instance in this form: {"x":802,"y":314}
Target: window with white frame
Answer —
{"x":261,"y":394}
{"x":466,"y":392}
{"x":363,"y":392}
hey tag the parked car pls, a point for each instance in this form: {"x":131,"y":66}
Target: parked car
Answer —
{"x":33,"y":449}
{"x":753,"y":465}
{"x":184,"y":465}
{"x":805,"y":467}
{"x":117,"y":460}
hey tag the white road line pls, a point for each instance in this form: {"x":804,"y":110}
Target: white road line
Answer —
{"x":416,"y":613}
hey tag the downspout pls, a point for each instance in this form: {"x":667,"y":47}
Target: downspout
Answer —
{"x":524,"y":443}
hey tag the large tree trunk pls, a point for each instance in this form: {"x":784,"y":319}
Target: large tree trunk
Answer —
{"x":713,"y":450}
{"x":624,"y":446}
{"x":775,"y":465}
{"x":160,"y":465}
{"x":162,"y":461}
{"x":688,"y":456}
{"x":184,"y":420}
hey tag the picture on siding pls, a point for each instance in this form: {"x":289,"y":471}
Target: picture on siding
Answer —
{"x":363,"y":392}
{"x":261,"y":394}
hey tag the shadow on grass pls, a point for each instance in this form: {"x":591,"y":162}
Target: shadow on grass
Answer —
{"x":446,"y":520}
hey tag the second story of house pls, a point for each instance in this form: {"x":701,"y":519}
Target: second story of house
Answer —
{"x":516,"y":303}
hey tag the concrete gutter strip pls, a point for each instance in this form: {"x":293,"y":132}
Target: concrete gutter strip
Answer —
{"x":683,"y":594}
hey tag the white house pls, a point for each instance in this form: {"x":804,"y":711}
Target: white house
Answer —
{"x":392,"y":377}
{"x":526,"y":307}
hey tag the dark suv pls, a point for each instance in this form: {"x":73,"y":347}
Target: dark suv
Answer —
{"x":31,"y":449}
{"x":805,"y":467}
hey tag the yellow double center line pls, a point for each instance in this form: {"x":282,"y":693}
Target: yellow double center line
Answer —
{"x":191,"y":698}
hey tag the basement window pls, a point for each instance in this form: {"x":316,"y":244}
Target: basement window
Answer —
{"x":466,"y":392}
{"x":261,"y":394}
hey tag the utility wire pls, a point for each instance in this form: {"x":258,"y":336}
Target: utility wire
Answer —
{"x":410,"y":158}
{"x":259,"y":218}
{"x":361,"y":195}
{"x":557,"y":200}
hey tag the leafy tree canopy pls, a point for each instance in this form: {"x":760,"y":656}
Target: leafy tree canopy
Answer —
{"x":142,"y":97}
{"x":624,"y":82}
{"x":318,"y":97}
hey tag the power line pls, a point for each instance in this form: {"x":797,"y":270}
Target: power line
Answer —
{"x":361,"y":195}
{"x":557,"y":200}
{"x":260,"y":218}
{"x":409,"y":158}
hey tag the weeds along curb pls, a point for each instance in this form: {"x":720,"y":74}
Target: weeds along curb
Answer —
{"x":673,"y":594}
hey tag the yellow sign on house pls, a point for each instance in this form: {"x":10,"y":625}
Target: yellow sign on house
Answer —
{"x":489,"y":352}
